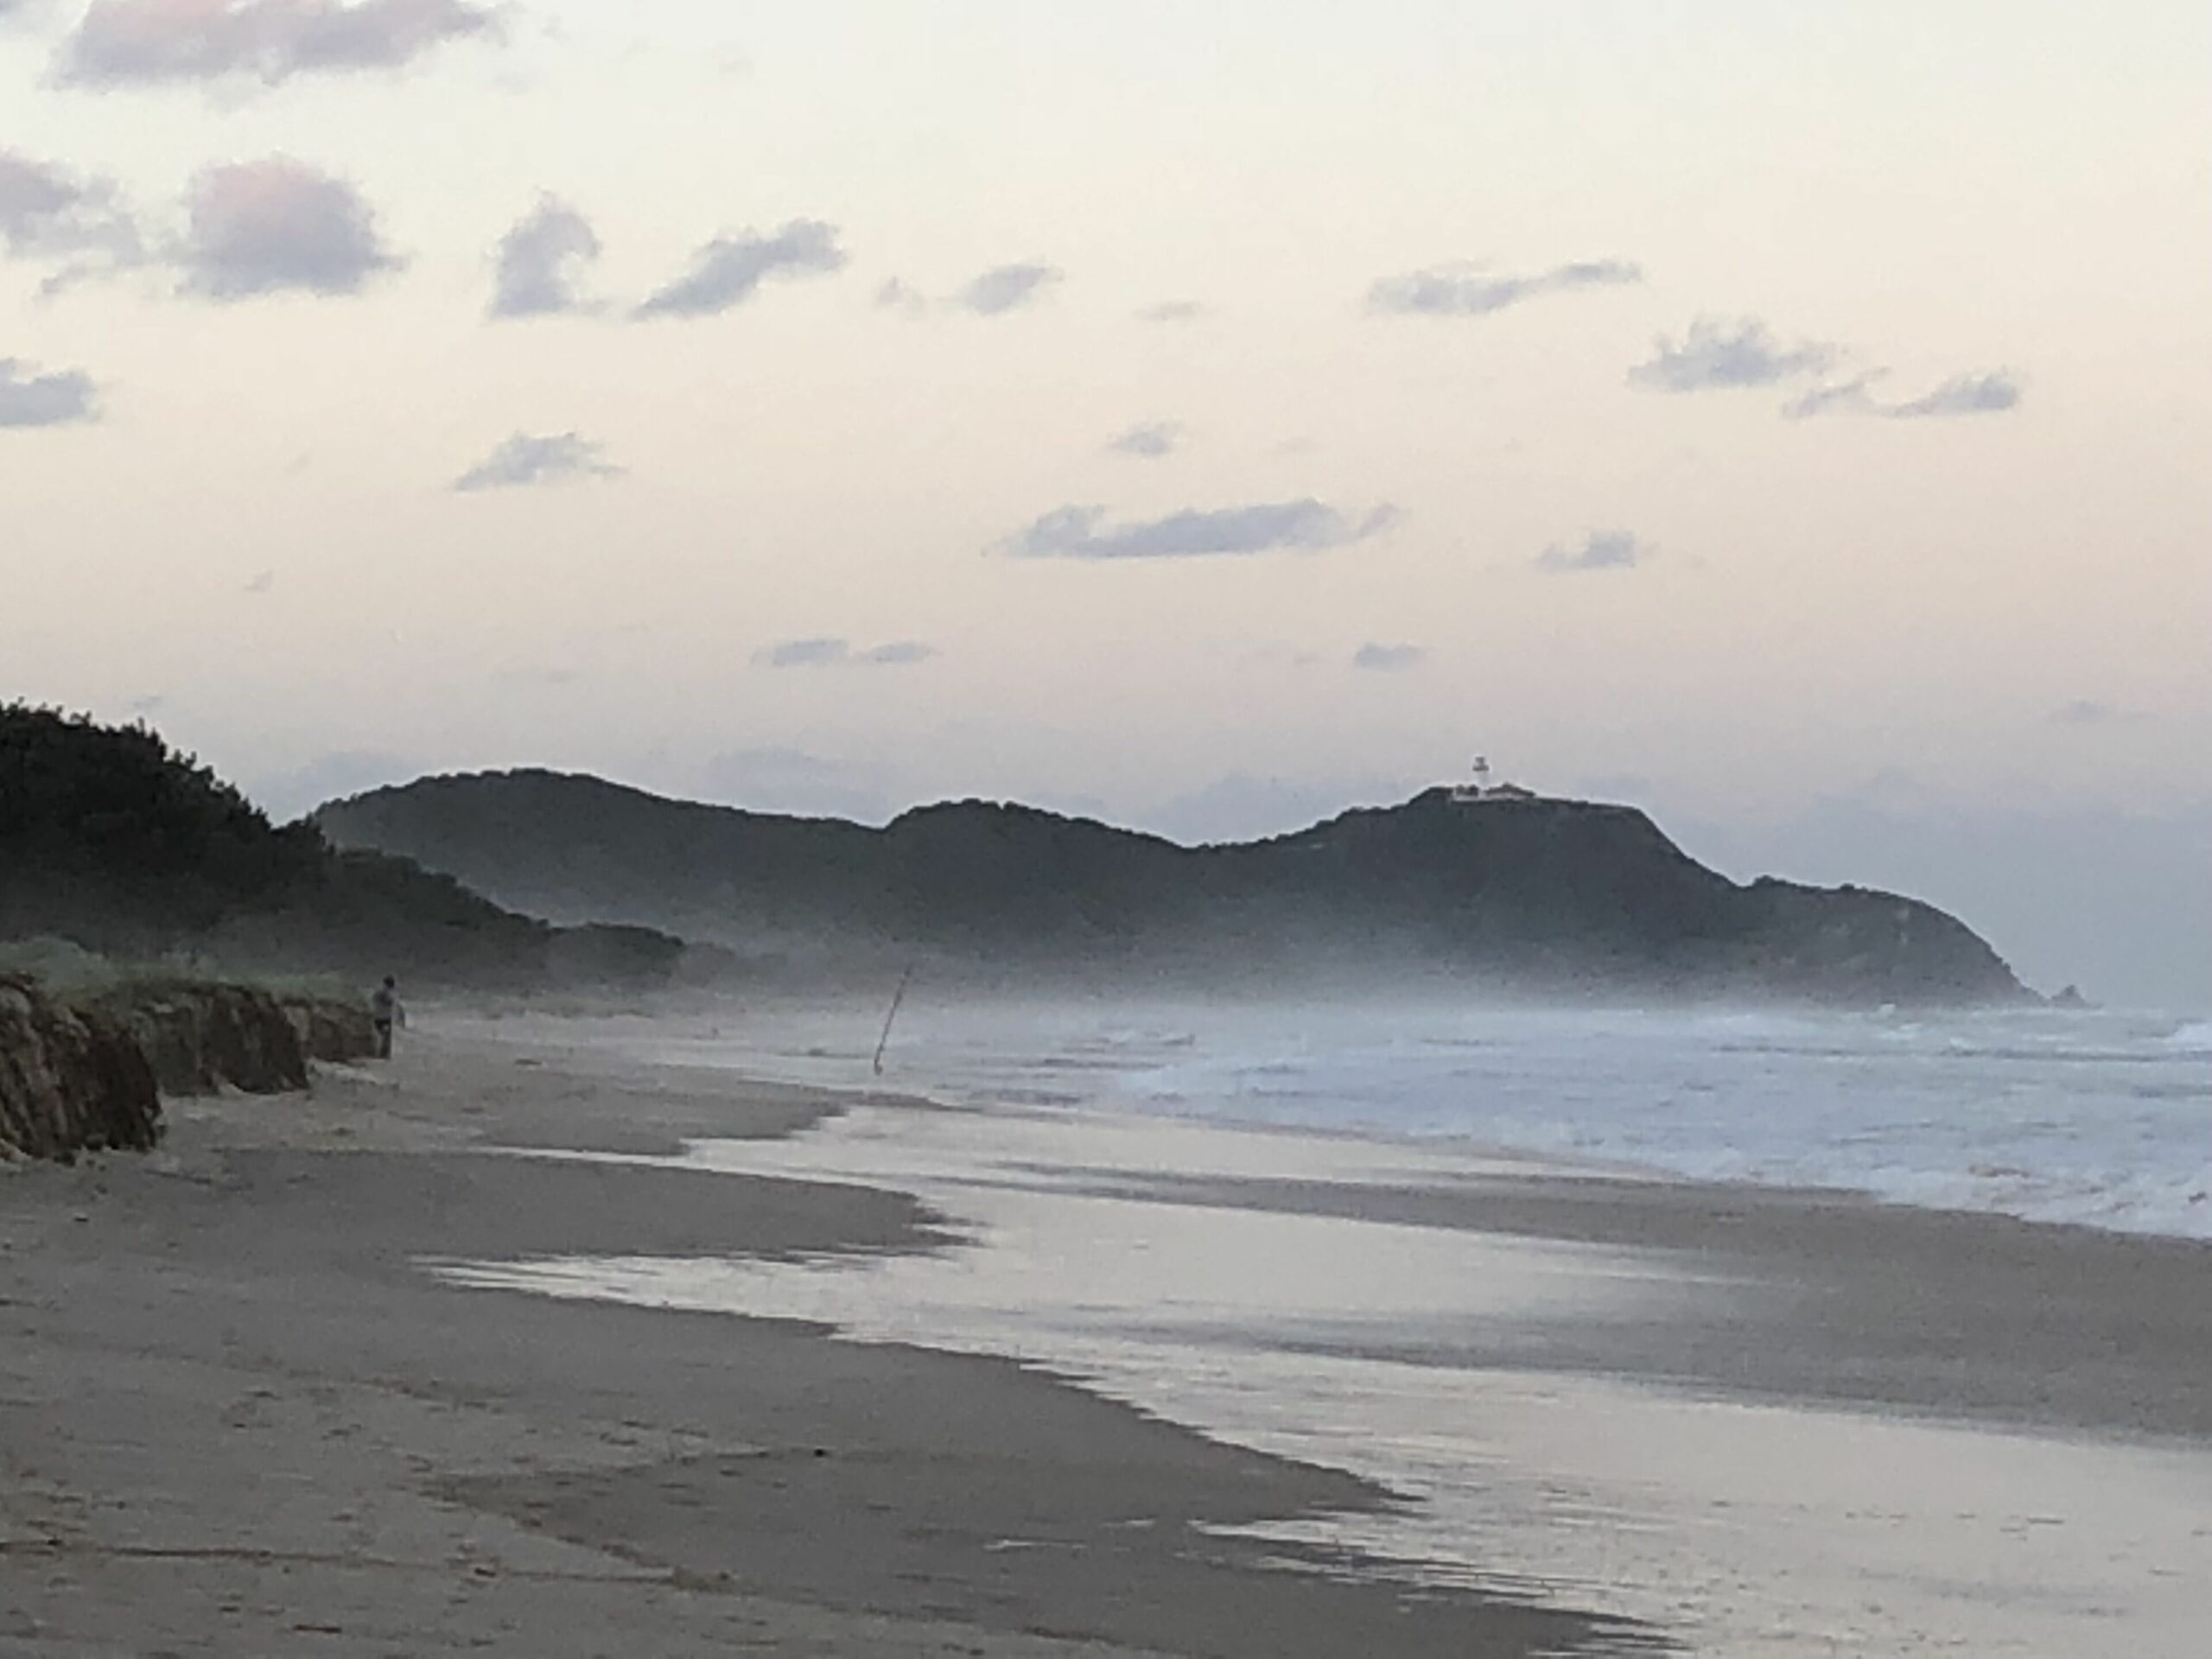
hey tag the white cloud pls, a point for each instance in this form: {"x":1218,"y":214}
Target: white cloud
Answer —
{"x":1081,"y":532}
{"x":1151,"y":440}
{"x":1989,"y":393}
{"x":1380,"y":658}
{"x":1006,"y":288}
{"x":541,"y":261}
{"x":131,"y":42}
{"x":29,"y":399}
{"x":893,"y":294}
{"x":1717,"y":354}
{"x":1602,"y":549}
{"x":729,"y":270}
{"x":524,"y":460}
{"x":1467,"y":290}
{"x":832,"y":652}
{"x":49,"y":213}
{"x":266,"y":226}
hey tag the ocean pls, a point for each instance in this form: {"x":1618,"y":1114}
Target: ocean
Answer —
{"x":2101,"y":1118}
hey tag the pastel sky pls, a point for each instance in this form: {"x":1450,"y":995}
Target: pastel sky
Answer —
{"x":1789,"y":416}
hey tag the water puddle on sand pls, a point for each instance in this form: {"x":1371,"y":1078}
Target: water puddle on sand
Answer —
{"x":1748,"y":1531}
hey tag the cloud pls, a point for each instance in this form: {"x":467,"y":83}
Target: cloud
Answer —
{"x":900,"y":297}
{"x":1006,"y":288}
{"x":1852,"y":397}
{"x":2085,"y":712}
{"x":47,"y":213}
{"x":1172,"y":311}
{"x":522,"y":460}
{"x":1467,"y":291}
{"x":831,"y":653}
{"x":1989,"y":393}
{"x":1602,"y":549}
{"x":28,"y":399}
{"x":1081,"y":532}
{"x":541,"y":260}
{"x":1386,"y":659}
{"x":141,"y":42}
{"x":1717,"y":354}
{"x":267,"y":226}
{"x":1149,"y":442}
{"x":729,"y":269}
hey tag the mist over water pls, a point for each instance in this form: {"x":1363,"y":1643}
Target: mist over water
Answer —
{"x":2101,"y":1118}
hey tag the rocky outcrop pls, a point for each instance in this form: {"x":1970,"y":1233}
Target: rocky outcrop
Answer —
{"x":72,"y":1080}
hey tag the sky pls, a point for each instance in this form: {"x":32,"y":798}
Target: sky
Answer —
{"x":1791,"y":418}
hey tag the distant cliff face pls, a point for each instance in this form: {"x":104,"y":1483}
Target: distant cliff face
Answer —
{"x":1547,"y":897}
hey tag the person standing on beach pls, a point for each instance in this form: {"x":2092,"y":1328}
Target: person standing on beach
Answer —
{"x":383,"y":1012}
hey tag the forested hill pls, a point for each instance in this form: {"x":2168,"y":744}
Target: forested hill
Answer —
{"x":115,"y":843}
{"x":1540,"y":896}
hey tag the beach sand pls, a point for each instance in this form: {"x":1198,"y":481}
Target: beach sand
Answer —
{"x":239,"y":1415}
{"x":242,"y":1410}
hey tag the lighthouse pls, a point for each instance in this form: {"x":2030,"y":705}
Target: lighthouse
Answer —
{"x":1481,"y":789}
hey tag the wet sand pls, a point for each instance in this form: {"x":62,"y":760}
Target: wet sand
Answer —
{"x":238,"y":1414}
{"x":1764,"y":1422}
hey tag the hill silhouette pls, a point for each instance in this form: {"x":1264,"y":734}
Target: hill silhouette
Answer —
{"x":113,"y":841}
{"x":1543,"y":897}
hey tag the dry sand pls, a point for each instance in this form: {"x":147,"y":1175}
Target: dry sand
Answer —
{"x":237,"y":1416}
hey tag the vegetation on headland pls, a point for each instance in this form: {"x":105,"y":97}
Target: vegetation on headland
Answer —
{"x":113,"y":842}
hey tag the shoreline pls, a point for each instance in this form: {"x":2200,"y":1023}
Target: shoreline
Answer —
{"x":1735,"y":1382}
{"x":2149,"y":1180}
{"x":235,"y":1415}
